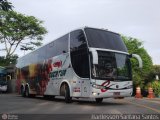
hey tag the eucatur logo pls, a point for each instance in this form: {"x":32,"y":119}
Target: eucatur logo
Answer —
{"x":4,"y":116}
{"x":105,"y":84}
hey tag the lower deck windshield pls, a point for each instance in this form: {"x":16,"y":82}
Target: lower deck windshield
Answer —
{"x":113,"y":66}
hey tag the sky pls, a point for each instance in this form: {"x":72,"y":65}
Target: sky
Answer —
{"x":136,"y":18}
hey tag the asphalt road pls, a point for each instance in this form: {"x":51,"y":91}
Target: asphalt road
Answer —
{"x":15,"y":104}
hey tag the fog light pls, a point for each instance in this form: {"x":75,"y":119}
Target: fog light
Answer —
{"x":94,"y":93}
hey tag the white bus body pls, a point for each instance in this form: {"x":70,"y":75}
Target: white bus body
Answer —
{"x":87,"y":62}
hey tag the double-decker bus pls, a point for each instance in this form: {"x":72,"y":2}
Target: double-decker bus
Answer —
{"x":84,"y":63}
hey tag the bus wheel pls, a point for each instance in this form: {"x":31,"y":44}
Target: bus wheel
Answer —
{"x":99,"y":100}
{"x":27,"y":92}
{"x":68,"y":99}
{"x":22,"y":92}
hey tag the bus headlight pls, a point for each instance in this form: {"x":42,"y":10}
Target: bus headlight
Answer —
{"x":98,"y":86}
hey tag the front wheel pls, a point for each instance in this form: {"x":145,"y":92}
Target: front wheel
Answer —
{"x":27,"y":92}
{"x":99,"y":100}
{"x":68,"y":99}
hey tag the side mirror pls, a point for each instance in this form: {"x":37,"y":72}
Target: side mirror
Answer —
{"x":138,"y":58}
{"x":94,"y":55}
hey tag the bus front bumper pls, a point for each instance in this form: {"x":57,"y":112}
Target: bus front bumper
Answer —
{"x":111,"y":93}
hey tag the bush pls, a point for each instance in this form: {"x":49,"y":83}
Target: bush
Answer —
{"x":156,"y":87}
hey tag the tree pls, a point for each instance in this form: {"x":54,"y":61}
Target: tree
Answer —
{"x":156,"y":70}
{"x":7,"y":61}
{"x":5,"y":5}
{"x":136,"y":46}
{"x":152,"y":75}
{"x":18,"y":30}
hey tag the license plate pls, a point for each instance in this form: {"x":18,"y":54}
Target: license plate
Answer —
{"x":116,"y":93}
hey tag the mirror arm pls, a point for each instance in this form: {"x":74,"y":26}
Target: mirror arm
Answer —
{"x":139,"y":59}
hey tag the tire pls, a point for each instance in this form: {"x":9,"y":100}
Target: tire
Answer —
{"x":22,"y":91}
{"x":68,"y":99}
{"x":52,"y":97}
{"x":45,"y":96}
{"x":27,"y":92}
{"x":32,"y":95}
{"x":99,"y":100}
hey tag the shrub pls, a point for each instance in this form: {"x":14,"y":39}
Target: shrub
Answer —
{"x":156,"y":87}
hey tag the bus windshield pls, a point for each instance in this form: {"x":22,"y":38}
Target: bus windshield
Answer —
{"x":113,"y":66}
{"x":104,"y":39}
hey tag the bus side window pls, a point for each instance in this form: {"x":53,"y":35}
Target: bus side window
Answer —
{"x":79,"y":53}
{"x":62,"y":44}
{"x":57,"y":47}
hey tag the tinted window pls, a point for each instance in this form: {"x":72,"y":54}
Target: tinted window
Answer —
{"x":58,"y":46}
{"x":62,"y":45}
{"x":104,"y":39}
{"x":40,"y":54}
{"x":52,"y":49}
{"x":79,"y":54}
{"x":77,"y":40}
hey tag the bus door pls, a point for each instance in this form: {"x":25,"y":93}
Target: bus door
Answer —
{"x":85,"y":87}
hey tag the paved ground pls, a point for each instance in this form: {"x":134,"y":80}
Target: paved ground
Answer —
{"x":15,"y":104}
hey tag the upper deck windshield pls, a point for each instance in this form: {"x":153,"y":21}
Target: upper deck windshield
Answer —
{"x":104,"y":39}
{"x":113,"y":66}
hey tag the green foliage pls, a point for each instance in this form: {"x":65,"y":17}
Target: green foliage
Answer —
{"x":135,"y":47}
{"x":20,"y":30}
{"x":152,"y":75}
{"x":7,"y":61}
{"x":156,"y":70}
{"x":5,"y":5}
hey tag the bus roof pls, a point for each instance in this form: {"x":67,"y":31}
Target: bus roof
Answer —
{"x":65,"y":34}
